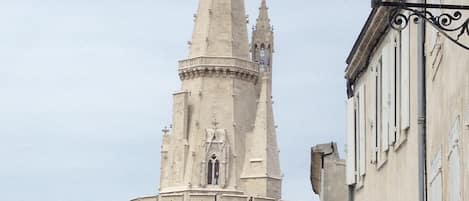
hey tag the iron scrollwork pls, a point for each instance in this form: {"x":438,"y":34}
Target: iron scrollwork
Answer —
{"x":452,"y":25}
{"x":445,"y":23}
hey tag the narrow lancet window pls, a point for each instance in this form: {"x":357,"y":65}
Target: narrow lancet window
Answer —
{"x":262,"y":59}
{"x":217,"y":171}
{"x":255,"y":55}
{"x":209,"y":175}
{"x":213,"y":170}
{"x":268,"y":55}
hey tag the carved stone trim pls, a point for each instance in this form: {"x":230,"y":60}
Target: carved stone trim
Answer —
{"x":218,"y":67}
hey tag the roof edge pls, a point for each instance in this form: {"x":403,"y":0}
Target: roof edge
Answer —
{"x":361,"y":35}
{"x":370,"y":38}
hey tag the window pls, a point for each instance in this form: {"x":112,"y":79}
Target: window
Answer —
{"x":361,"y":125}
{"x":351,"y":128}
{"x":356,"y":137}
{"x":213,"y":170}
{"x":388,"y":92}
{"x":404,"y":75}
{"x":255,"y":55}
{"x":376,"y":105}
{"x":262,"y":60}
{"x":386,"y":88}
{"x":268,"y":55}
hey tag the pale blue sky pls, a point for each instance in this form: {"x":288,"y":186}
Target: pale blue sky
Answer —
{"x":85,"y":89}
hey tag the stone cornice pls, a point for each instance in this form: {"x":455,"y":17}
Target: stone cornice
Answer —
{"x":179,"y":190}
{"x":218,"y":67}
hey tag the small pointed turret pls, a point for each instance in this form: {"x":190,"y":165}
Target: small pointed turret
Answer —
{"x":220,"y":30}
{"x":262,"y":46}
{"x":261,"y":173}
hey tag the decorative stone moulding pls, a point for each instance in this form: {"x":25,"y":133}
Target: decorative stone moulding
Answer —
{"x":218,"y":67}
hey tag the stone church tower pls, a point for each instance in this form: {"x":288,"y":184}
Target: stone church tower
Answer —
{"x":223,"y":145}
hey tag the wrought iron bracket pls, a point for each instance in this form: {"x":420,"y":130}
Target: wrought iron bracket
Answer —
{"x":452,"y":25}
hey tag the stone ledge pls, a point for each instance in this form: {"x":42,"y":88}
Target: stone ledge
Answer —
{"x":218,"y":67}
{"x":218,"y":62}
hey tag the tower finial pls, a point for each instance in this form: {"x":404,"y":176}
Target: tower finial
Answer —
{"x":263,"y":20}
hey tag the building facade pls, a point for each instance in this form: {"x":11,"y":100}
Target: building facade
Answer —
{"x":328,"y":173}
{"x":383,"y":118}
{"x":223,"y":144}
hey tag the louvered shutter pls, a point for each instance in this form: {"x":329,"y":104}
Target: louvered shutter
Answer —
{"x":392,"y":88}
{"x":405,"y":77}
{"x":385,"y":94}
{"x":362,"y":129}
{"x":374,"y":136}
{"x":351,"y":161}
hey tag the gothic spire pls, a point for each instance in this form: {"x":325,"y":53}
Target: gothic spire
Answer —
{"x":262,"y":47}
{"x":263,"y":21}
{"x":220,"y":30}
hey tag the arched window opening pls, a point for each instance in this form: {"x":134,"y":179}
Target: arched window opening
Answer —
{"x":213,"y":170}
{"x":269,"y":55}
{"x":262,"y":59}
{"x":255,"y":53}
{"x":209,"y":175}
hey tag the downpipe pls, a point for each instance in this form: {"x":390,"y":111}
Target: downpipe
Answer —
{"x":422,"y":113}
{"x":351,"y":191}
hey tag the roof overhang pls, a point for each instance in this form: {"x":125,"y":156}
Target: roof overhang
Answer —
{"x":370,"y":36}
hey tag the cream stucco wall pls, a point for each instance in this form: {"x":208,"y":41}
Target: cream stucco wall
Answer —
{"x":447,"y":82}
{"x":395,"y":176}
{"x":448,"y":106}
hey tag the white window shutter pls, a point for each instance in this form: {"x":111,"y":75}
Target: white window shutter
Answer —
{"x":392,"y":65}
{"x":375,"y":110}
{"x":362,"y":130}
{"x":386,"y":94}
{"x":405,"y":78}
{"x":351,"y":161}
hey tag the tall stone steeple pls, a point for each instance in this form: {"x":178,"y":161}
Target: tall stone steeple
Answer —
{"x":222,"y":116}
{"x":261,"y":172}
